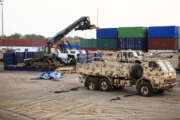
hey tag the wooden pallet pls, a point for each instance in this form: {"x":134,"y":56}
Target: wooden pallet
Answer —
{"x":66,"y":70}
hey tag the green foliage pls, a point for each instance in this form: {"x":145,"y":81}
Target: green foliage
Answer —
{"x":33,"y":37}
{"x":15,"y":36}
{"x":72,"y":40}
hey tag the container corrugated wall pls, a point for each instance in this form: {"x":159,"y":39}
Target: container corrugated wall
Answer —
{"x":132,"y":38}
{"x":107,"y":44}
{"x":163,"y":32}
{"x":88,"y":43}
{"x":132,"y":43}
{"x":162,"y":43}
{"x":106,"y":33}
{"x":163,"y":38}
{"x":131,"y":32}
{"x":22,"y":42}
{"x":179,"y":40}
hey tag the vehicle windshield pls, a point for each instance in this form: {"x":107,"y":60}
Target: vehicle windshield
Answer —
{"x":162,"y":66}
{"x":169,"y":66}
{"x":135,"y":54}
{"x":139,"y":53}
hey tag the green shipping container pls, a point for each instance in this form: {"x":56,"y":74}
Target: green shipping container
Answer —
{"x":88,"y":43}
{"x":131,"y":32}
{"x":107,"y":43}
{"x":84,"y":43}
{"x":92,"y":43}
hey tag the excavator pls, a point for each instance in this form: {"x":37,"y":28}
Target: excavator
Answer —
{"x":49,"y":56}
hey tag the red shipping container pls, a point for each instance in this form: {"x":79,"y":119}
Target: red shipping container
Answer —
{"x":22,"y":42}
{"x":162,"y":44}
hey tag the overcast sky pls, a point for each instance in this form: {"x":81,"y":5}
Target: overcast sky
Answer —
{"x":47,"y":17}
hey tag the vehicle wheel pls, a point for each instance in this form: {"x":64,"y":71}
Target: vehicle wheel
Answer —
{"x":91,"y":84}
{"x":161,"y":91}
{"x":136,"y":71}
{"x":145,"y":89}
{"x":104,"y":84}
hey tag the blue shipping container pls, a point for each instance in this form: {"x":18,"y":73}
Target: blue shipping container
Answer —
{"x":9,"y":59}
{"x":163,"y":32}
{"x":19,"y":57}
{"x":107,"y":33}
{"x":132,"y":43}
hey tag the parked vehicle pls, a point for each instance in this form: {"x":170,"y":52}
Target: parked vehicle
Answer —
{"x":50,"y":56}
{"x":149,"y":77}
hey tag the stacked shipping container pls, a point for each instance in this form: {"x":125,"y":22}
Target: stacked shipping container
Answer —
{"x":132,"y":38}
{"x":107,"y":38}
{"x":136,"y":38}
{"x":163,"y":38}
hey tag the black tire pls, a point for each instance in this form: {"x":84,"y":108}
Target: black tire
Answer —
{"x":91,"y":83}
{"x":145,"y":89}
{"x":104,"y":84}
{"x":160,"y":91}
{"x":136,"y":71}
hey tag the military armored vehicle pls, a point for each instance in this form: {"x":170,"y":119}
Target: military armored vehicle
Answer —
{"x":124,"y":56}
{"x":149,"y":77}
{"x":173,"y":58}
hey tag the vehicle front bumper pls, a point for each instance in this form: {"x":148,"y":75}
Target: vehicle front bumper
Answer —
{"x":168,"y":84}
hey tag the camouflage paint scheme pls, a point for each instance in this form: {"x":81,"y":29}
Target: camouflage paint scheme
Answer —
{"x":161,"y":77}
{"x":173,"y":58}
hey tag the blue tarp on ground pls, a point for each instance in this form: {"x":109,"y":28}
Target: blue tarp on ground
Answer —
{"x":51,"y":75}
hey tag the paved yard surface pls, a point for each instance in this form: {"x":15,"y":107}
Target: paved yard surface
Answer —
{"x":24,"y":99}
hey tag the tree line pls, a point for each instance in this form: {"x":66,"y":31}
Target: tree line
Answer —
{"x":72,"y":40}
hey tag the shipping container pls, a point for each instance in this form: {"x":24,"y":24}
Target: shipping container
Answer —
{"x":106,"y":33}
{"x":132,"y":32}
{"x":179,"y":40}
{"x":19,"y":57}
{"x":88,"y":43}
{"x":162,"y":44}
{"x":92,"y":43}
{"x":9,"y":58}
{"x":163,"y":32}
{"x":22,"y":42}
{"x":132,"y":43}
{"x":107,"y":43}
{"x":84,"y":43}
{"x":179,"y":43}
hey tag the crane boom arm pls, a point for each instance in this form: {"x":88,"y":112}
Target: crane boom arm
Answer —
{"x":82,"y":23}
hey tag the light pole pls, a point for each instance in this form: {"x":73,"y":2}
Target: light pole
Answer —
{"x":2,"y":17}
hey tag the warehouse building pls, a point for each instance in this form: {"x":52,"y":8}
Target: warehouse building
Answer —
{"x":20,"y":45}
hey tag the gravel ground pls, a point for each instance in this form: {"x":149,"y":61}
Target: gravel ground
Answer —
{"x":24,"y":99}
